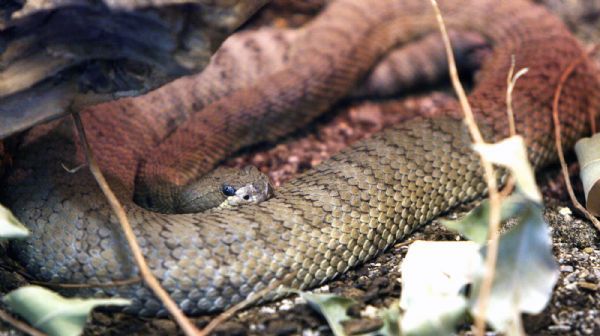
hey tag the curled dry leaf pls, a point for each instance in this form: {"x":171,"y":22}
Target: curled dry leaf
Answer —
{"x":588,"y":155}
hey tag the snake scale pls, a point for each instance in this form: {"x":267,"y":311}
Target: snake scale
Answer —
{"x":327,"y":220}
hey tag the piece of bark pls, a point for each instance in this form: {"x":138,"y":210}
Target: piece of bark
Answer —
{"x":57,"y":54}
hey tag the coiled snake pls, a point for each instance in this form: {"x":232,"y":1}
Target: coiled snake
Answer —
{"x":331,"y":218}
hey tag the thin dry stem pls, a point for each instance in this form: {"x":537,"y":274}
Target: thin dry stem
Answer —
{"x":509,"y":88}
{"x":558,"y":140}
{"x":114,"y":283}
{"x":460,"y":91}
{"x":511,"y":81}
{"x":21,"y":326}
{"x":186,"y":325}
{"x":494,"y":196}
{"x":72,"y":170}
{"x":405,"y":243}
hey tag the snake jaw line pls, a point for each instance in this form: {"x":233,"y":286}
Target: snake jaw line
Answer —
{"x":251,"y":193}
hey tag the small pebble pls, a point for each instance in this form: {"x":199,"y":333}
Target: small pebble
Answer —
{"x":322,"y":289}
{"x":369,"y":311}
{"x":561,"y":327}
{"x":565,"y":211}
{"x":571,"y":286}
{"x":566,"y":268}
{"x":267,"y":310}
{"x":298,"y":300}
{"x":286,"y":304}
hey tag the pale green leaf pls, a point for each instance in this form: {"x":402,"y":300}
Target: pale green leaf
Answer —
{"x":10,"y":227}
{"x":438,"y":316}
{"x":434,"y":276}
{"x":525,"y":274}
{"x":475,"y":224}
{"x":52,"y":313}
{"x":391,"y":321}
{"x":390,"y":316}
{"x":333,"y":307}
{"x":512,"y":154}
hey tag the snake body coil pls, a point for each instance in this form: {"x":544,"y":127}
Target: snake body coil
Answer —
{"x":333,"y":217}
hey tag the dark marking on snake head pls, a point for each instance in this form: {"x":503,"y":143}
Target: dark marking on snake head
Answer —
{"x":229,"y":190}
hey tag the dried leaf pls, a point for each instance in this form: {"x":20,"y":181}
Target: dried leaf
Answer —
{"x":474,"y":225}
{"x":588,"y":155}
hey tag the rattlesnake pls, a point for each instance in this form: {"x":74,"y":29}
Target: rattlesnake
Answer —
{"x":331,"y":218}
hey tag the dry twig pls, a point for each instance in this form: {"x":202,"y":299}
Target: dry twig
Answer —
{"x":21,"y":326}
{"x":186,"y":325}
{"x":510,"y":85}
{"x":494,"y":195}
{"x":511,"y":81}
{"x":558,"y":139}
{"x":115,"y":283}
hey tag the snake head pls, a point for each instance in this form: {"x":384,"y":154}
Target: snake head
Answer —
{"x":224,"y":187}
{"x":255,"y":187}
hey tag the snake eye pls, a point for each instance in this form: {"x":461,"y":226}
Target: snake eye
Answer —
{"x":228,"y":190}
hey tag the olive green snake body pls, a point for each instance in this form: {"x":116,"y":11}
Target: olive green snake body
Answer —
{"x":329,"y":219}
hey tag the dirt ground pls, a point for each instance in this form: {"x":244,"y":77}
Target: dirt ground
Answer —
{"x":575,"y":305}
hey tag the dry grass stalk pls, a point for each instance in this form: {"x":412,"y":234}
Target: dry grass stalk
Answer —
{"x":115,"y":283}
{"x":494,"y":195}
{"x":186,"y":325}
{"x":558,"y":140}
{"x":511,"y":81}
